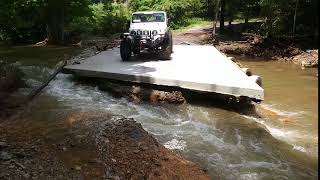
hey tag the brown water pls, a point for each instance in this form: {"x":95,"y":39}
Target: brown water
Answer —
{"x":280,"y":145}
{"x":291,"y":95}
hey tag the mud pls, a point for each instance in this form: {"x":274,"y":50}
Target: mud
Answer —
{"x":137,"y":93}
{"x":253,"y":45}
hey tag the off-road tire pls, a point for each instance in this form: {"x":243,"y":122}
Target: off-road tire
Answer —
{"x":125,"y":49}
{"x":165,"y":53}
{"x":136,"y":51}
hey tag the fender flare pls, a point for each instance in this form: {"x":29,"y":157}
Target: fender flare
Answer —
{"x":126,"y":36}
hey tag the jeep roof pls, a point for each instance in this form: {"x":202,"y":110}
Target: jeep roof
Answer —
{"x":148,"y":12}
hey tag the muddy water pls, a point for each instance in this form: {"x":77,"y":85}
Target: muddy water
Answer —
{"x":291,"y":104}
{"x":282,"y":144}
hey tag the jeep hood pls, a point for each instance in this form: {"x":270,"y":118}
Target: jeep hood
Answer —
{"x":161,"y":27}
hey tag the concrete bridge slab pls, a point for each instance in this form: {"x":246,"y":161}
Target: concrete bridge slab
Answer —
{"x":201,"y":68}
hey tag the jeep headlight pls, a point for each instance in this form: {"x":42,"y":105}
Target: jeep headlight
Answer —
{"x":133,"y":33}
{"x":154,"y":32}
{"x":139,"y":32}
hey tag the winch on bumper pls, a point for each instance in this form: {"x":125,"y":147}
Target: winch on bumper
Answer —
{"x":143,"y":42}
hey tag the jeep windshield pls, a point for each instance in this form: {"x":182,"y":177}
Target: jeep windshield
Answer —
{"x":144,"y":18}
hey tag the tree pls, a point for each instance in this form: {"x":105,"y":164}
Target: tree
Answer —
{"x":230,"y":13}
{"x":249,"y":8}
{"x":58,"y":12}
{"x":22,"y":19}
{"x":295,"y":18}
{"x":222,"y":15}
{"x":283,"y":17}
{"x":19,"y":19}
{"x":55,"y":19}
{"x":275,"y":13}
{"x":216,"y":18}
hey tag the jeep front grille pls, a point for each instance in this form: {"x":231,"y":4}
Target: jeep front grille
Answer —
{"x":143,"y":33}
{"x":146,"y":33}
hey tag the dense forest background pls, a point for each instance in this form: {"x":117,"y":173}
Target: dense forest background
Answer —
{"x":29,"y":21}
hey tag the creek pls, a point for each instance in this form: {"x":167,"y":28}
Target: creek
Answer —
{"x":282,"y":144}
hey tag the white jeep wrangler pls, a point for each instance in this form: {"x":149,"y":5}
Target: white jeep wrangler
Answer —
{"x":149,"y":32}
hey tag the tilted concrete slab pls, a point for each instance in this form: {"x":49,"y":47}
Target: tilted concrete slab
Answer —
{"x":201,"y":68}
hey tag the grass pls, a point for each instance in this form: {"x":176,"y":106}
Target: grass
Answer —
{"x":198,"y":22}
{"x":193,"y":22}
{"x":241,"y":20}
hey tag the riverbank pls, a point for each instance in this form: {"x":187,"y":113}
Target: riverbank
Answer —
{"x":252,"y":45}
{"x":89,"y":145}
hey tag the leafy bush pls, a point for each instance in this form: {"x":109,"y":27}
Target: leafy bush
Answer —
{"x":116,"y":20}
{"x":106,"y":19}
{"x":17,"y":23}
{"x":280,"y":14}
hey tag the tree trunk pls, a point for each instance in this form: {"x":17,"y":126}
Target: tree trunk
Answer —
{"x":246,"y":21}
{"x":246,"y":17}
{"x":230,"y":25}
{"x":215,"y":19}
{"x":295,"y":18}
{"x":222,"y":14}
{"x":55,"y":21}
{"x":208,"y":7}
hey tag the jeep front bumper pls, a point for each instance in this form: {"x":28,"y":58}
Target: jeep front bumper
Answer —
{"x":147,"y":42}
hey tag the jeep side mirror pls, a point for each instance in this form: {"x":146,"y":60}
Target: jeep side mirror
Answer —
{"x":168,"y":20}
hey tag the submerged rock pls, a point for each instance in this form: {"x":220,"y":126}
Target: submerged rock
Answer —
{"x":10,"y":77}
{"x":3,"y":145}
{"x":5,"y":156}
{"x":10,"y":80}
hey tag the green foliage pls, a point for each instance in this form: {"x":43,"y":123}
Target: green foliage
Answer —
{"x":280,"y":16}
{"x":106,"y":19}
{"x":16,"y":23}
{"x":89,"y":24}
{"x":116,"y":19}
{"x":276,"y":13}
{"x":29,"y":20}
{"x":34,"y":20}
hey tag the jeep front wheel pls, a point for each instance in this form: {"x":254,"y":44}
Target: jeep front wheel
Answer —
{"x":165,"y":53}
{"x":125,"y":49}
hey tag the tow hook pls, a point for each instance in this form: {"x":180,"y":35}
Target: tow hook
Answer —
{"x":141,"y":45}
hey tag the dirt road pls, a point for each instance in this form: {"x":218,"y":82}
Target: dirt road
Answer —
{"x":251,"y":45}
{"x":195,"y":35}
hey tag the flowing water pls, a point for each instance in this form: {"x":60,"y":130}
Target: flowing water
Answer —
{"x":282,"y":144}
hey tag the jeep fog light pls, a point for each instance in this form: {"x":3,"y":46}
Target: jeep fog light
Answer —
{"x":155,"y":32}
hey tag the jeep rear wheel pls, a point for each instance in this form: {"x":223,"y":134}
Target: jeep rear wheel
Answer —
{"x":165,"y":53}
{"x":125,"y":49}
